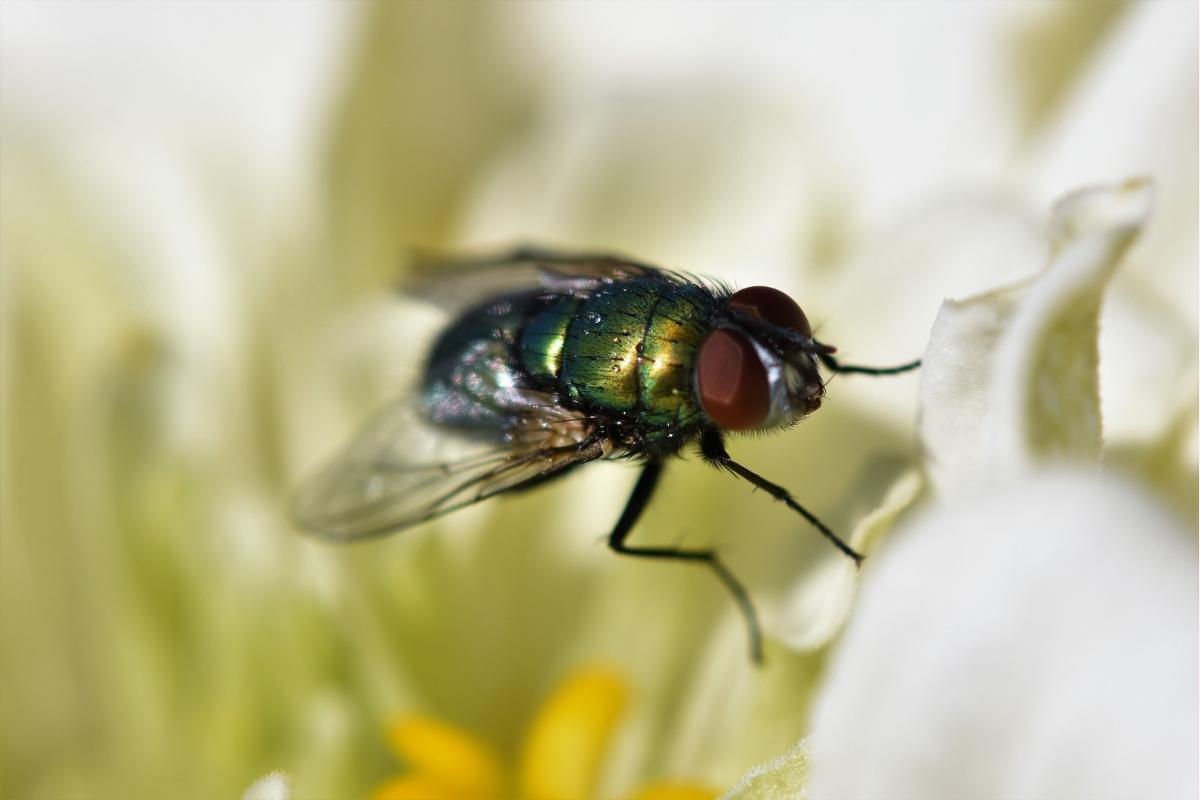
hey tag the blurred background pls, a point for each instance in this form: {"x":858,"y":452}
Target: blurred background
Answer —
{"x":205,"y":209}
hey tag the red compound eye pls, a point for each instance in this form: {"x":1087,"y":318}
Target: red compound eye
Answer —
{"x":771,"y":305}
{"x":732,"y":380}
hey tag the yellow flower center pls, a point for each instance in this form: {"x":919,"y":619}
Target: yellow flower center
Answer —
{"x":561,"y":758}
{"x":570,"y":735}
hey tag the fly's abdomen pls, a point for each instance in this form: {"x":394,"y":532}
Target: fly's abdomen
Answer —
{"x":540,"y":348}
{"x":473,"y":378}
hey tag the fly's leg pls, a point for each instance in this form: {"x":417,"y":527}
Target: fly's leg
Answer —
{"x":712,"y":447}
{"x":833,"y":365}
{"x":633,"y":509}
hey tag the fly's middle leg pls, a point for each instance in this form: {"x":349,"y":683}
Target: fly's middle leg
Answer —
{"x":642,"y":491}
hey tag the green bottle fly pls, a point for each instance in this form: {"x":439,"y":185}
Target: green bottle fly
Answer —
{"x":564,"y":359}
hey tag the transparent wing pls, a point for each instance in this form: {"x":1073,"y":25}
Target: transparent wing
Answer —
{"x":402,"y":470}
{"x":458,"y":282}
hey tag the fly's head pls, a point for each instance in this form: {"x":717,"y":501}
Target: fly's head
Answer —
{"x":757,"y":368}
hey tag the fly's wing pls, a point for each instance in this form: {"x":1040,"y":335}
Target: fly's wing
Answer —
{"x":455,"y":283}
{"x":402,"y":470}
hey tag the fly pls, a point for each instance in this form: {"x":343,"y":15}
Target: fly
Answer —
{"x":563,"y":359}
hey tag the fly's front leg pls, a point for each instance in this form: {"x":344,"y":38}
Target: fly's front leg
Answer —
{"x":642,"y":491}
{"x":712,"y":447}
{"x":833,"y":365}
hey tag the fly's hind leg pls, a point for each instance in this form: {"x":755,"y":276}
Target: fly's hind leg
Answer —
{"x":642,"y":492}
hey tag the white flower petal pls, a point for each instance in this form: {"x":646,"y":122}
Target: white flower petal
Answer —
{"x":956,"y":374}
{"x":272,"y":786}
{"x":1037,"y":641}
{"x":1009,"y":377}
{"x":784,"y":778}
{"x":1045,"y":393}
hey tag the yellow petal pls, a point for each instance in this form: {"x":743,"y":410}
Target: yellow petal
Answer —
{"x":676,"y":791}
{"x":423,"y":787}
{"x":569,"y":736}
{"x":450,"y":756}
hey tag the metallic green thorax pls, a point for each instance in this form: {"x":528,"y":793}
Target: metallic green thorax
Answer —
{"x":630,"y":349}
{"x":623,"y":352}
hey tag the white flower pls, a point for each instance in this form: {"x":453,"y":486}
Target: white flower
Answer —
{"x":1035,"y":641}
{"x":1033,"y":632}
{"x":184,"y":224}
